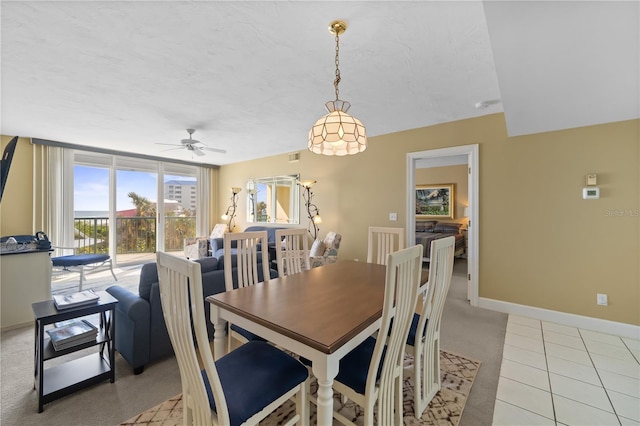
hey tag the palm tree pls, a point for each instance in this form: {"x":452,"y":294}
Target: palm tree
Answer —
{"x":144,"y":207}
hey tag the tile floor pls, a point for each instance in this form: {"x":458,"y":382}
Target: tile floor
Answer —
{"x":552,"y":374}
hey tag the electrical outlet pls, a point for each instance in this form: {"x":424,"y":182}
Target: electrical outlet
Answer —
{"x":393,"y":217}
{"x":601,"y":299}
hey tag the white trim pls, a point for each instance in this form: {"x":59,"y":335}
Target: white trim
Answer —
{"x":564,"y":318}
{"x":471,"y":152}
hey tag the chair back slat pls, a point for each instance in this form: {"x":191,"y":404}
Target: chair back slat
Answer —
{"x":246,"y":252}
{"x":404,"y":268}
{"x":382,"y":241}
{"x":427,"y":341}
{"x":292,"y":251}
{"x":180,"y":283}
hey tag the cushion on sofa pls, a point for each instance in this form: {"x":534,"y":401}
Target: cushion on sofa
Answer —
{"x":148,"y":276}
{"x":208,"y":264}
{"x":317,"y":248}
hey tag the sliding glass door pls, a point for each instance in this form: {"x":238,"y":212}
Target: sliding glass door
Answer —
{"x":130,"y":208}
{"x":91,"y":209}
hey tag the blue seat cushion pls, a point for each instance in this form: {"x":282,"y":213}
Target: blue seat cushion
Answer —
{"x":79,"y":259}
{"x":252,"y":377}
{"x":411,"y":339}
{"x":246,"y":334}
{"x":355,"y":366}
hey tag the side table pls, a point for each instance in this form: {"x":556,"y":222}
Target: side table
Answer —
{"x":61,"y":380}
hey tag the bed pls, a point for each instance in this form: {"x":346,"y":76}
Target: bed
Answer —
{"x":429,"y":230}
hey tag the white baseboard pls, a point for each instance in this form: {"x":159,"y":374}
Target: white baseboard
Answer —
{"x":572,"y":320}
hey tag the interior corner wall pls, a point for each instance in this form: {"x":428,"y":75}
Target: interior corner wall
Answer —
{"x":16,"y":207}
{"x":541,"y":244}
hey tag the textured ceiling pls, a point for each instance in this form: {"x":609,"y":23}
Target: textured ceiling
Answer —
{"x":252,"y":77}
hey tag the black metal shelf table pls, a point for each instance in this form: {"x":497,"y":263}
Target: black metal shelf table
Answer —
{"x":61,"y":380}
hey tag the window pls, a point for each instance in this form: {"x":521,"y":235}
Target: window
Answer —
{"x":130,"y":208}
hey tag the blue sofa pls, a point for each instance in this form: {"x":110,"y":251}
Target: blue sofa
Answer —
{"x":141,"y":333}
{"x":217,"y":244}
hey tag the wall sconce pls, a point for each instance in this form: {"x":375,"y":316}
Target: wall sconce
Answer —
{"x":230,"y":214}
{"x":312,"y":210}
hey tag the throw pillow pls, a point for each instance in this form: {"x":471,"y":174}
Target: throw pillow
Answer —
{"x":317,"y":249}
{"x":218,"y":231}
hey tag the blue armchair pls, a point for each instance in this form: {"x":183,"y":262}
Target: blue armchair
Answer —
{"x":141,"y":333}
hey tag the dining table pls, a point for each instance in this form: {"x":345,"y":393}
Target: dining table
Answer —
{"x":320,"y":314}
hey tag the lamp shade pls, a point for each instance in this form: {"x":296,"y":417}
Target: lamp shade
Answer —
{"x":337,"y":133}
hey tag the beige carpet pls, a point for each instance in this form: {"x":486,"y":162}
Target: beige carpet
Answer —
{"x":458,"y":373}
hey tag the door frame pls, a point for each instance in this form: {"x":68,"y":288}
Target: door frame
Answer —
{"x":473,"y":253}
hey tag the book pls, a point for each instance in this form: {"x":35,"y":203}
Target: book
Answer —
{"x":64,"y":344}
{"x":75,"y":299}
{"x":79,"y":331}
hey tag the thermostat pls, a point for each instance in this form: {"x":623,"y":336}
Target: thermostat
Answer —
{"x":591,"y":193}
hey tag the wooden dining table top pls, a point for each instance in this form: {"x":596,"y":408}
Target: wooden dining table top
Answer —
{"x":322,"y":308}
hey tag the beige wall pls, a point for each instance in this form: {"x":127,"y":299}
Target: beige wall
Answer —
{"x":541,"y":244}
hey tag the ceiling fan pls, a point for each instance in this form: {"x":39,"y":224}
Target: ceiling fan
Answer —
{"x":193,"y":145}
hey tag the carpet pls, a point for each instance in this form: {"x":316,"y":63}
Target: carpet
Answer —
{"x":458,"y":373}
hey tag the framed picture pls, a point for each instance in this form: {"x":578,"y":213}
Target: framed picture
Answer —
{"x":435,"y":201}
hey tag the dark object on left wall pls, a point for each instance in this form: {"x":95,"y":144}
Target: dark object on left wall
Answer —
{"x":7,"y":156}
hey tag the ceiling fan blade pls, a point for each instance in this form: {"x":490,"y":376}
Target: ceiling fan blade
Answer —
{"x":198,"y":152}
{"x":170,"y":149}
{"x":168,"y":144}
{"x":221,"y":151}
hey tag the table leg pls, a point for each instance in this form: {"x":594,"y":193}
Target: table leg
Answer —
{"x":219,"y":333}
{"x":325,"y":371}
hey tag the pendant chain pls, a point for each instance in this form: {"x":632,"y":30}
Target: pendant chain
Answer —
{"x":337,"y":60}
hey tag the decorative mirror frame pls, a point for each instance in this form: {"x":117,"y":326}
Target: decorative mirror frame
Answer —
{"x":274,"y":199}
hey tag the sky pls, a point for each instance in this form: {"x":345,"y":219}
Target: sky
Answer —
{"x":91,"y":187}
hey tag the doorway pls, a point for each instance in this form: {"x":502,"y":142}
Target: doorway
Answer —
{"x":466,"y":154}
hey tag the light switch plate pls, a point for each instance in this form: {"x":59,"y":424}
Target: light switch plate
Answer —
{"x":601,"y":299}
{"x":592,"y":179}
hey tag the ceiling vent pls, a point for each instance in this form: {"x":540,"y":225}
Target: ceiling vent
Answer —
{"x":294,"y":157}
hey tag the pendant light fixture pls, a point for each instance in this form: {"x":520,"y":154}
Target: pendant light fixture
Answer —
{"x":337,"y":133}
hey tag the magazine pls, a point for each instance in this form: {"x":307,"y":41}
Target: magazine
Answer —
{"x":75,"y":299}
{"x":64,"y":344}
{"x":80,"y":331}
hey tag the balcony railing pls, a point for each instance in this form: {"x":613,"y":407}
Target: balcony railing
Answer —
{"x":133,"y":234}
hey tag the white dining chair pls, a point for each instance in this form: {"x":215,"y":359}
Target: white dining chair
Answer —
{"x":292,"y":251}
{"x":241,"y":388}
{"x":423,"y":341}
{"x":382,"y":241}
{"x":372,"y":372}
{"x":246,"y":262}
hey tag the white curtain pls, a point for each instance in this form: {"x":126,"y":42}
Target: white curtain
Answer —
{"x":54,"y":173}
{"x":203,"y":226}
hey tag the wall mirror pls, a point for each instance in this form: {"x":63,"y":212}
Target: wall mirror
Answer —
{"x":273,"y":199}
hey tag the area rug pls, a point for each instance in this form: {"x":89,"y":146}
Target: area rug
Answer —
{"x":458,"y":373}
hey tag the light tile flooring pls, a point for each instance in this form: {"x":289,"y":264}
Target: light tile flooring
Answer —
{"x":552,"y":374}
